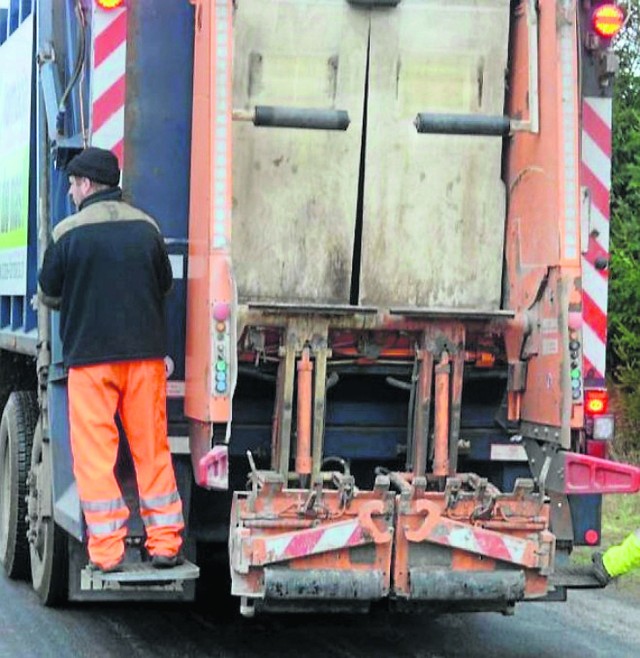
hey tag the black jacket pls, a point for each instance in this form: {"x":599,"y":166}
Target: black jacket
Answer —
{"x":108,"y":271}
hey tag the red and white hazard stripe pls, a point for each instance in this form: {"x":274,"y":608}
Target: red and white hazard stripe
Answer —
{"x":108,"y":79}
{"x":302,"y":543}
{"x":596,"y":176}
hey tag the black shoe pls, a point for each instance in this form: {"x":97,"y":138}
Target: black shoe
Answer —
{"x":599,"y":570}
{"x":166,"y":561}
{"x":114,"y":568}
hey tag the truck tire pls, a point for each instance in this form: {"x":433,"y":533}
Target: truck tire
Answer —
{"x":16,"y":439}
{"x":47,"y":541}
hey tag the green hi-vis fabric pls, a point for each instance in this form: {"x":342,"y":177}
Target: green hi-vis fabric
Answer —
{"x":624,"y":557}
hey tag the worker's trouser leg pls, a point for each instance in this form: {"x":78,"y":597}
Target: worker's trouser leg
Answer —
{"x":93,"y":400}
{"x":143,"y":410}
{"x":137,"y":390}
{"x":624,"y":557}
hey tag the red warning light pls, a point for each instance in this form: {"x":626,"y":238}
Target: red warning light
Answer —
{"x":591,"y":537}
{"x":110,"y":4}
{"x":596,"y":402}
{"x":607,"y":20}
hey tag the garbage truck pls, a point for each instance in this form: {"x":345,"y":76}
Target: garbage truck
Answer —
{"x":387,"y":222}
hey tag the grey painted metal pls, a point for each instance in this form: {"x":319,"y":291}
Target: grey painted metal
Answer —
{"x":311,"y":309}
{"x":453,"y":313}
{"x":143,"y":572}
{"x":541,"y":432}
{"x":575,"y":577}
{"x":547,"y":465}
{"x":304,"y":118}
{"x":19,"y":341}
{"x":462,"y":124}
{"x":534,"y":63}
{"x":561,"y":521}
{"x":51,"y":90}
{"x":284,"y":438}
{"x":328,"y":584}
{"x":446,"y":585}
{"x":319,"y":405}
{"x":374,"y":4}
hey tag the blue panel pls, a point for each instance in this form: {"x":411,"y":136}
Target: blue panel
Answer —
{"x":14,"y":15}
{"x":67,"y":510}
{"x":4,"y":24}
{"x":353,"y":443}
{"x":25,"y":9}
{"x":30,"y":319}
{"x":176,"y":322}
{"x":511,"y":473}
{"x":158,"y":139}
{"x":586,"y":514}
{"x":158,"y":111}
{"x":17,"y":309}
{"x":5,"y":311}
{"x":350,"y":413}
{"x":251,"y":411}
{"x":349,"y":443}
{"x":256,"y":439}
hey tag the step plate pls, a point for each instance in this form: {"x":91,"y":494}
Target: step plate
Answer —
{"x":140,"y":575}
{"x":575,"y":577}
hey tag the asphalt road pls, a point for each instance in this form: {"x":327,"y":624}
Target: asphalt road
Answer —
{"x":589,"y":624}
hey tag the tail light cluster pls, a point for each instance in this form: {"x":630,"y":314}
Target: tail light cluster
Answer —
{"x":598,"y":421}
{"x":575,"y":353}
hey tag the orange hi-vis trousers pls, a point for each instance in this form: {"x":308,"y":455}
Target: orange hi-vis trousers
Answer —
{"x":137,"y":391}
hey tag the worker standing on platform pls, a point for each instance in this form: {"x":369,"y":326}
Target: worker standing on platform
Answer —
{"x":108,"y":272}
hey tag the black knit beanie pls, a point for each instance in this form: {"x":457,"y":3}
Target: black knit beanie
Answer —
{"x":98,"y":165}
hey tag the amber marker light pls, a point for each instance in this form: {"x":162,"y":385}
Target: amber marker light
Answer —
{"x":110,"y":4}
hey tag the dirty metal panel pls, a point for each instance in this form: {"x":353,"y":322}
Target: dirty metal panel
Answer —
{"x":295,"y":191}
{"x":434,"y":207}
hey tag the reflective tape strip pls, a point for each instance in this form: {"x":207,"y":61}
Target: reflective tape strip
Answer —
{"x":568,"y":66}
{"x":594,"y":351}
{"x":108,"y":79}
{"x":222,"y":124}
{"x":103,"y":505}
{"x":106,"y":528}
{"x":159,"y":501}
{"x":596,"y":176}
{"x":303,"y":543}
{"x":163,"y":519}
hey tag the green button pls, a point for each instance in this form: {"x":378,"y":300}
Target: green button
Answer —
{"x":221,"y":366}
{"x":575,"y":374}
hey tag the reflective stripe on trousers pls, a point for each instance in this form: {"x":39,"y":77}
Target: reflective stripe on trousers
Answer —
{"x":136,"y":390}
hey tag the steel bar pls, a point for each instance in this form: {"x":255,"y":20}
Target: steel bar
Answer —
{"x":462,"y":124}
